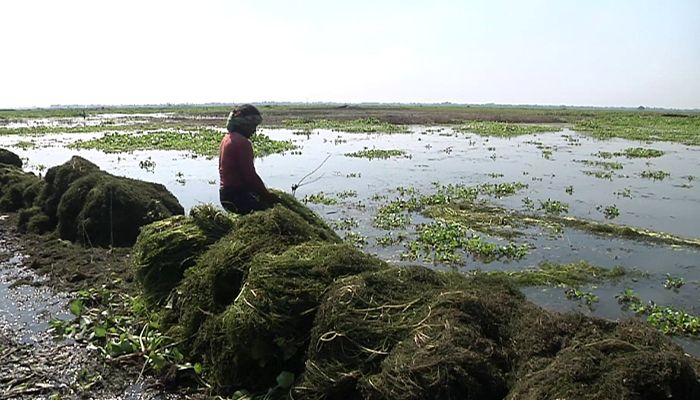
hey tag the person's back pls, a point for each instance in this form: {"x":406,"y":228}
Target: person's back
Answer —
{"x":241,"y":190}
{"x":231,"y":170}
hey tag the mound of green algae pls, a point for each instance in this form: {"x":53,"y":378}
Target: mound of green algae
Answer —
{"x":84,"y":204}
{"x":9,"y":158}
{"x":280,"y":293}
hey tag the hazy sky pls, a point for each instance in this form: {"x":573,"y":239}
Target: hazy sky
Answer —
{"x":601,"y":53}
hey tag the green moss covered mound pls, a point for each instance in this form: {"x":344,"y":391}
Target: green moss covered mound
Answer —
{"x":165,"y":249}
{"x":83,"y":203}
{"x":9,"y":158}
{"x":14,"y":182}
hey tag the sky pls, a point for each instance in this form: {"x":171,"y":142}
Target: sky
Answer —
{"x":547,"y":52}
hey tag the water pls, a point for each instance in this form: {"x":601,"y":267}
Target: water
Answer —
{"x":439,"y":155}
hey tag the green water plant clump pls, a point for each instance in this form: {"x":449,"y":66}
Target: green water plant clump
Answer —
{"x":503,"y":129}
{"x":683,"y":129}
{"x":378,"y":154}
{"x":364,"y":125}
{"x":203,"y":141}
{"x":558,"y":274}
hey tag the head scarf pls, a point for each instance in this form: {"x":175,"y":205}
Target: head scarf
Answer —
{"x":244,"y":120}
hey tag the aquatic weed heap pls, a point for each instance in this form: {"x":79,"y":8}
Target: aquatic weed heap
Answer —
{"x":414,"y":333}
{"x":15,"y":184}
{"x":265,"y":331}
{"x":93,"y":207}
{"x":166,"y":248}
{"x":577,"y":357}
{"x":9,"y":158}
{"x":411,"y":333}
{"x":215,"y":281}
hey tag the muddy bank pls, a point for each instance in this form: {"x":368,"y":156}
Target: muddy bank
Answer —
{"x":32,"y":363}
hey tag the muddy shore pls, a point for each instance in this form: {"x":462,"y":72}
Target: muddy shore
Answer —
{"x":32,"y":363}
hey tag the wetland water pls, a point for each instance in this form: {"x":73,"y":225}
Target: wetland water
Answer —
{"x":548,"y":163}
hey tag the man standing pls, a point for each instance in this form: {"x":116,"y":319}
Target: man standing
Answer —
{"x":241,"y":190}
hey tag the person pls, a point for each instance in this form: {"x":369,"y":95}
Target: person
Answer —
{"x":241,"y":190}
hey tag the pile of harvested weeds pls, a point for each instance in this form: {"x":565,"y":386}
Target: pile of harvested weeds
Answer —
{"x":83,"y":203}
{"x":280,"y":295}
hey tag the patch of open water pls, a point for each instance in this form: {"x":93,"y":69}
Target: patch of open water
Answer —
{"x":671,"y":205}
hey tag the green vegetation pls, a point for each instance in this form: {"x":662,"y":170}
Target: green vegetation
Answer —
{"x":655,"y":175}
{"x":608,"y":165}
{"x":683,"y":129}
{"x":390,"y":240}
{"x":376,"y":153}
{"x":600,"y":174}
{"x":626,"y":192}
{"x":346,"y":194}
{"x":120,"y":327}
{"x":669,"y":320}
{"x":554,"y":206}
{"x":346,"y":224}
{"x":673,"y":283}
{"x":557,"y":274}
{"x":586,"y":298}
{"x":356,"y":239}
{"x":320,"y":198}
{"x":104,"y":127}
{"x":202,"y":141}
{"x":439,"y":242}
{"x":365,"y":125}
{"x":502,"y":129}
{"x":610,"y":212}
{"x":391,"y":217}
{"x":639,"y":152}
{"x":148,"y":165}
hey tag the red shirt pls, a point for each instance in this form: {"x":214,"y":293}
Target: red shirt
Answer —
{"x":236,"y":167}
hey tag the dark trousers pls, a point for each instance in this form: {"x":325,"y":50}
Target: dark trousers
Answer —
{"x":239,"y":201}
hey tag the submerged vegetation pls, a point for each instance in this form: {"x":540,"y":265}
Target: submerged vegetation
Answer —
{"x":557,"y":274}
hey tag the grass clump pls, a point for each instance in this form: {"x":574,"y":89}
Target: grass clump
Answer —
{"x":266,"y":329}
{"x":376,"y":153}
{"x":165,"y":249}
{"x":608,"y":165}
{"x":14,"y":184}
{"x":655,"y":175}
{"x":650,"y":127}
{"x":503,"y":129}
{"x":364,"y":125}
{"x":320,"y":198}
{"x":558,"y":274}
{"x":9,"y":158}
{"x":638,"y":152}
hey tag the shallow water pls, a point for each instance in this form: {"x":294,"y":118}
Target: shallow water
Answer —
{"x":439,"y":155}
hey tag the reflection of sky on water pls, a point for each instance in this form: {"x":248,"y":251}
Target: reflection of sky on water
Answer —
{"x":665,"y":205}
